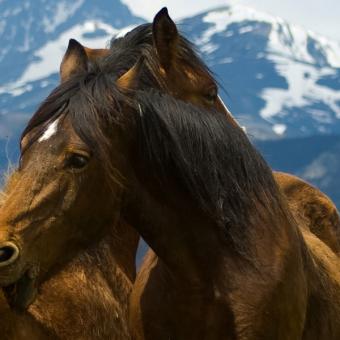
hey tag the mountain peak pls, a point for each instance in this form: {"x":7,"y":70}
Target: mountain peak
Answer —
{"x":284,"y":38}
{"x":281,"y":79}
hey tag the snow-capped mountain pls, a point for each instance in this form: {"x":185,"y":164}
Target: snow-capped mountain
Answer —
{"x":281,"y":79}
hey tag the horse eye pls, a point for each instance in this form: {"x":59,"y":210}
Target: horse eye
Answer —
{"x":77,"y":161}
{"x":211,"y":96}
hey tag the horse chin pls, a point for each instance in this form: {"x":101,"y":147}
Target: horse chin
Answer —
{"x":22,"y":293}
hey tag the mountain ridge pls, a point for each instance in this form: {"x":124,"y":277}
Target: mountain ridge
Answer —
{"x":275,"y":77}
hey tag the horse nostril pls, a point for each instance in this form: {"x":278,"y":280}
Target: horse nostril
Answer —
{"x":9,"y":252}
{"x":6,"y":253}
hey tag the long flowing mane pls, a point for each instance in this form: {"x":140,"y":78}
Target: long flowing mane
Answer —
{"x":213,"y":160}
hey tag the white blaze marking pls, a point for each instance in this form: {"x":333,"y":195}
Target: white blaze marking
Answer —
{"x":50,"y":131}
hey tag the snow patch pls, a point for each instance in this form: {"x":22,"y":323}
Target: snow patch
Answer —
{"x":51,"y":54}
{"x":227,"y":60}
{"x":279,"y":129}
{"x":245,"y":29}
{"x":301,"y":91}
{"x":209,"y":48}
{"x":329,"y":47}
{"x":44,"y":83}
{"x":222,"y":18}
{"x":63,"y":11}
{"x":21,"y":90}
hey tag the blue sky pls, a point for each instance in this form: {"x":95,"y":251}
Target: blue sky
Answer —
{"x":321,"y":16}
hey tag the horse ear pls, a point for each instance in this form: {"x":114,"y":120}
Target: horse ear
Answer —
{"x":130,"y":78}
{"x":94,"y":53}
{"x":74,"y":61}
{"x":165,"y":37}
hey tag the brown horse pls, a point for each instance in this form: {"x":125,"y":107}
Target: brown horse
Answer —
{"x":307,"y":203}
{"x":233,"y":263}
{"x":88,"y":298}
{"x":183,"y":80}
{"x":172,"y":66}
{"x":311,"y":207}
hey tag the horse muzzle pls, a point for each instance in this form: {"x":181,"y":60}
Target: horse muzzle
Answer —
{"x":18,"y":281}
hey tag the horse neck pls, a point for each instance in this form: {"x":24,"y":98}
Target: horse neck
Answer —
{"x":189,"y":242}
{"x":167,"y":227}
{"x":123,"y":243}
{"x":200,"y":277}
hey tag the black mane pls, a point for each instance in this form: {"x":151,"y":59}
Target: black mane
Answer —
{"x":213,"y":160}
{"x":138,"y":43}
